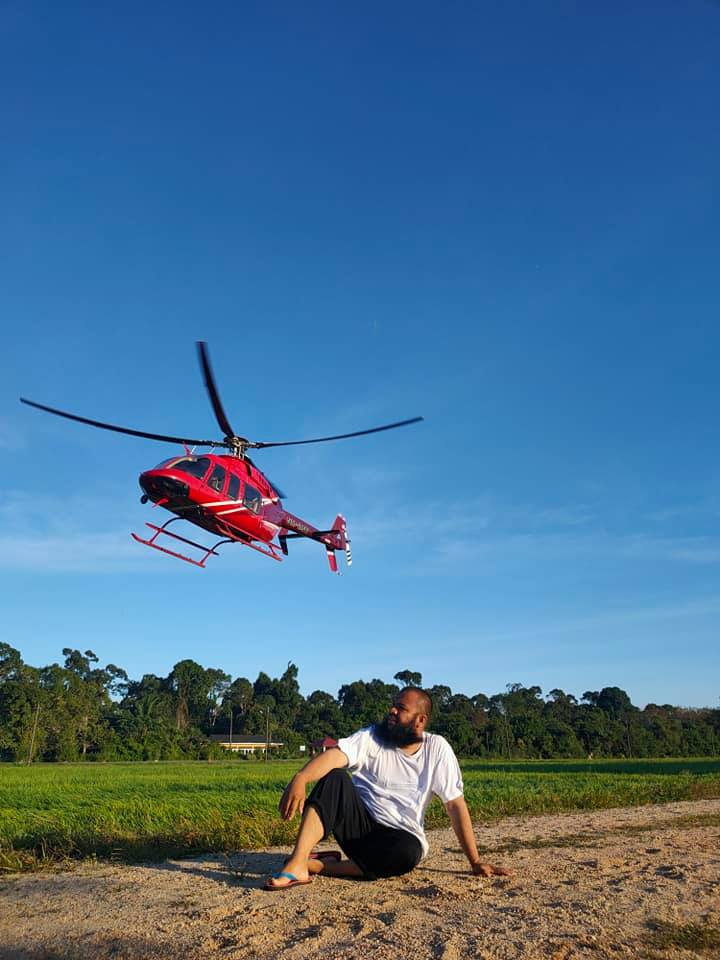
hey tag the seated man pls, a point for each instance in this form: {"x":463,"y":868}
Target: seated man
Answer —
{"x":377,"y":817}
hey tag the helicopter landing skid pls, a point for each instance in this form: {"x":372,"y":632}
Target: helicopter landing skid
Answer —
{"x":207,"y":551}
{"x":268,"y":549}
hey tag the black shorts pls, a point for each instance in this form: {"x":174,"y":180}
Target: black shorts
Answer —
{"x":378,"y":850}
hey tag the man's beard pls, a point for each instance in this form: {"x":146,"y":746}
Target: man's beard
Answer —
{"x":396,"y":734}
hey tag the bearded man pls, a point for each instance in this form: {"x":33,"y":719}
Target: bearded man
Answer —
{"x":377,"y":816}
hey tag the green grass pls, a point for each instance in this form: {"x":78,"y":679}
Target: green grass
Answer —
{"x":701,"y":938}
{"x":139,"y":811}
{"x":506,"y":789}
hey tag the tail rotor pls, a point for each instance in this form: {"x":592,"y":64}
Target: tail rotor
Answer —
{"x":338,"y":540}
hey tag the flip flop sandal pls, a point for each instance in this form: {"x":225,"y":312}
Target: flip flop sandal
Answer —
{"x":294,"y":882}
{"x":326,"y":855}
{"x":322,"y":855}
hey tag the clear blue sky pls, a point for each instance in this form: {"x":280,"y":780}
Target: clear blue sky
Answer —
{"x":503,"y":217}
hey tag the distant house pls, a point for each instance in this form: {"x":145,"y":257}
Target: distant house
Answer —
{"x":243,"y":743}
{"x":320,"y":746}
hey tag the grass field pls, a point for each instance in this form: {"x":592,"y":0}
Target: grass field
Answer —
{"x":133,"y":811}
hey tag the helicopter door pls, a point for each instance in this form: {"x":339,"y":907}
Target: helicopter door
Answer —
{"x":216,"y":480}
{"x":232,"y":505}
{"x":252,"y":499}
{"x":233,"y":490}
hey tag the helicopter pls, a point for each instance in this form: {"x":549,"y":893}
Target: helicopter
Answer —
{"x":225,"y":493}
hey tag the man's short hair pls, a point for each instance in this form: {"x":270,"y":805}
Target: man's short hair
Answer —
{"x":426,"y":704}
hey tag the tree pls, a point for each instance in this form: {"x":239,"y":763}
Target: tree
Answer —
{"x":10,"y":662}
{"x":561,"y":705}
{"x":219,"y":683}
{"x":408,"y":679}
{"x":440,"y":695}
{"x":593,"y":729}
{"x":364,"y":703}
{"x":281,"y":696}
{"x":191,"y":686}
{"x":615,"y":702}
{"x":319,"y":717}
{"x":523,"y":709}
{"x":20,"y":700}
{"x":88,"y":699}
{"x":72,"y":711}
{"x":236,"y":703}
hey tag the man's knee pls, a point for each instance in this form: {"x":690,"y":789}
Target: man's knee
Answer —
{"x":331,"y":787}
{"x":332,"y":783}
{"x":402,"y":856}
{"x":338,"y":775}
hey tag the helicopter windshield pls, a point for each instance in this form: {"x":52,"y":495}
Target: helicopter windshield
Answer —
{"x":195,"y":466}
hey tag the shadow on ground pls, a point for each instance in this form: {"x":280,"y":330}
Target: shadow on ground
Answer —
{"x":236,"y":869}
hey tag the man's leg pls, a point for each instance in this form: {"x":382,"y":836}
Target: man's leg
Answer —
{"x":332,"y":807}
{"x":311,"y":833}
{"x":335,"y":868}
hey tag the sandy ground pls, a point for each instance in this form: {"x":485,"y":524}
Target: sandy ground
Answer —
{"x":586,"y":885}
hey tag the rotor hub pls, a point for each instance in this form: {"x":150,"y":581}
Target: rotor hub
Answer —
{"x":238,"y":446}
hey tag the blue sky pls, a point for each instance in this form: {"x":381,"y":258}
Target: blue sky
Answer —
{"x":503,"y":217}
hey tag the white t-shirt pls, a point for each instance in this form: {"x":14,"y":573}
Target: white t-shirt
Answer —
{"x":396,"y":788}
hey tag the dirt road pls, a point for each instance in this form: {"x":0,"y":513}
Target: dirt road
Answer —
{"x":640,"y":882}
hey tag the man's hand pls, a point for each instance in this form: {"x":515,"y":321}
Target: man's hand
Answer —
{"x":489,"y":870}
{"x":462,"y":825}
{"x":293,"y":798}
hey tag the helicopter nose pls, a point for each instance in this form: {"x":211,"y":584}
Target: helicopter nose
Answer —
{"x":157,"y":486}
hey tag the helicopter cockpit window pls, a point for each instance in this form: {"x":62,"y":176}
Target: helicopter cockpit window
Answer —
{"x":233,"y":490}
{"x":195,"y":466}
{"x":252,"y":498}
{"x":217,"y":478}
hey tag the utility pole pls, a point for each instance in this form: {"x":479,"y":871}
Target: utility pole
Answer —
{"x":267,"y":732}
{"x":32,"y":738}
{"x":231,"y":713}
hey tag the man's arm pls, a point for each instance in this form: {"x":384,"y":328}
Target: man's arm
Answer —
{"x":293,"y":799}
{"x":462,"y":825}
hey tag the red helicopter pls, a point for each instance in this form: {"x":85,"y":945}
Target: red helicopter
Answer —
{"x":226,"y":493}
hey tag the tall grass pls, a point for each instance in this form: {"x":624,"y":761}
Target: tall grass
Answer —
{"x":139,"y":811}
{"x":495,"y":790}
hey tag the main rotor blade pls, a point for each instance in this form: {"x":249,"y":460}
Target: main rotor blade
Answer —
{"x":340,"y":436}
{"x":222,"y":420}
{"x":132,"y":433}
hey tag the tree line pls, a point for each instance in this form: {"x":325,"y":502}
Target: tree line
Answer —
{"x":82,"y":711}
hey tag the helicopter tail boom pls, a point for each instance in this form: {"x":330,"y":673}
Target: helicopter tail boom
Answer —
{"x":335,"y":538}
